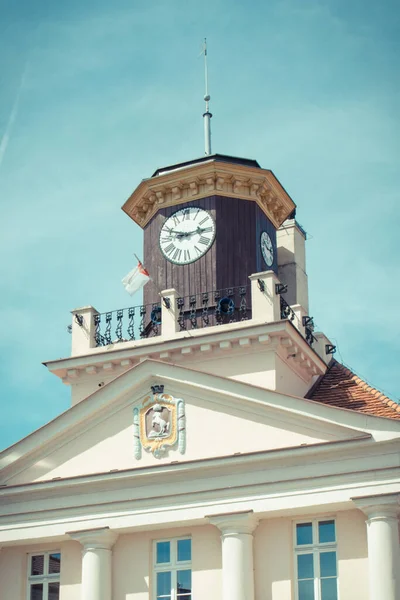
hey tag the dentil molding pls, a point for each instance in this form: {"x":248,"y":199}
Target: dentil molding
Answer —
{"x":208,"y":179}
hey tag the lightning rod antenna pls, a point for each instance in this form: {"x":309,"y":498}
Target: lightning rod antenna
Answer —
{"x":207,"y":115}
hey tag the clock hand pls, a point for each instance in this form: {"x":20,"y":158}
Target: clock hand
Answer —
{"x":187,"y":233}
{"x":181,"y":234}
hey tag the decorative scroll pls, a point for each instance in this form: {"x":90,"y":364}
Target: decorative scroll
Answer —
{"x":137,"y":446}
{"x":181,"y":427}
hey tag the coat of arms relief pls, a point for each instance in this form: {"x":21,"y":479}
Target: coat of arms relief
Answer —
{"x":159,"y":424}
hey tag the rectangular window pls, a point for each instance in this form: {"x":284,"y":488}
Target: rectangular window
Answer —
{"x":172,"y":569}
{"x":316,"y":560}
{"x":44,"y":576}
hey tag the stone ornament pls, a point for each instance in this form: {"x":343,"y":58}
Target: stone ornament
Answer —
{"x":159,"y":424}
{"x":205,"y":179}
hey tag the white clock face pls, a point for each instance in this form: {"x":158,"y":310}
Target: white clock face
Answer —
{"x":267,"y":248}
{"x":187,"y":235}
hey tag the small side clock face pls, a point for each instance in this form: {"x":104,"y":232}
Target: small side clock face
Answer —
{"x":187,"y":235}
{"x":267,"y":248}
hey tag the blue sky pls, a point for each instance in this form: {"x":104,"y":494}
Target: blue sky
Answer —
{"x":95,"y":95}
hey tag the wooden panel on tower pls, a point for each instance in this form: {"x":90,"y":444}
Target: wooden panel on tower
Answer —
{"x":234,"y":255}
{"x":208,"y":224}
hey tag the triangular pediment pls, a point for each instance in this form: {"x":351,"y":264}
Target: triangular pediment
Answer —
{"x":221,"y":417}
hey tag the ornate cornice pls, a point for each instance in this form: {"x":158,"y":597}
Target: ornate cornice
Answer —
{"x":210,"y":179}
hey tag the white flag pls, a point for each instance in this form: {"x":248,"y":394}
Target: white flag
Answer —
{"x":135,"y":279}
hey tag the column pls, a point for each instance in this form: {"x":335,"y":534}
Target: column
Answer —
{"x":383,"y":544}
{"x":169,"y":312}
{"x":265,"y":302}
{"x":96,"y":562}
{"x":237,"y":554}
{"x":83,"y":329}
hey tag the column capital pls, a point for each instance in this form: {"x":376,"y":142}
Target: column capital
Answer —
{"x":379,"y":507}
{"x":234,"y":523}
{"x":100,"y":539}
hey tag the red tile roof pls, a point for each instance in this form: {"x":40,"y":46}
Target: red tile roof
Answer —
{"x":342,"y":388}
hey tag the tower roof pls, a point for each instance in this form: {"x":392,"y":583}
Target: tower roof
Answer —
{"x":235,"y":160}
{"x":342,"y":388}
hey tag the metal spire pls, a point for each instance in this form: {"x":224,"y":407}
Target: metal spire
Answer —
{"x":207,"y":115}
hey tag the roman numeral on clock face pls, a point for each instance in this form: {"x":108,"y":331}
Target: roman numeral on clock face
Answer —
{"x":204,"y":240}
{"x":169,"y":249}
{"x":177,"y":254}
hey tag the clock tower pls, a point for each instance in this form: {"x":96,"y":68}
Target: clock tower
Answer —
{"x":208,"y":223}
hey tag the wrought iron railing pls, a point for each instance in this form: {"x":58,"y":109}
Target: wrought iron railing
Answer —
{"x":308,"y":323}
{"x":229,"y":305}
{"x":286,"y":310}
{"x":126,"y":324}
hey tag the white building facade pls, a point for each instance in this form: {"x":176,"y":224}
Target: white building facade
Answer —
{"x":214,"y":450}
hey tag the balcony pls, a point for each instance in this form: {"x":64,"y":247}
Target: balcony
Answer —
{"x":260,"y":302}
{"x":248,"y":332}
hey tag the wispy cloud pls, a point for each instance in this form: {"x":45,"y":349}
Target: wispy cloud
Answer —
{"x":5,"y":139}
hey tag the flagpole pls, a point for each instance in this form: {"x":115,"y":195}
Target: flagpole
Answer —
{"x":207,"y":115}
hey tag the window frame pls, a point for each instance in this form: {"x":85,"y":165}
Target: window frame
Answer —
{"x":47,"y":577}
{"x":173,"y":566}
{"x":316,"y":548}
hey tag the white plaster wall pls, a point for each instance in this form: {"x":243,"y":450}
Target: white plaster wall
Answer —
{"x":84,"y":388}
{"x":13,"y":566}
{"x":212,"y":430}
{"x":14,"y":569}
{"x":274,"y":557}
{"x":273,"y":560}
{"x":255,"y":367}
{"x":352,"y":547}
{"x":288,"y":382}
{"x":133,"y":560}
{"x":252,"y":366}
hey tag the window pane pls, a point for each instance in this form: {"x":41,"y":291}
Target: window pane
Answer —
{"x":326,"y":531}
{"x":184,"y":550}
{"x":37,"y":564}
{"x":54,"y":563}
{"x":36,"y":591}
{"x":164,"y":583}
{"x":328,"y":589}
{"x":54,"y":591}
{"x":163,"y":552}
{"x":327,"y":561}
{"x":305,"y":566}
{"x":304,"y":533}
{"x":184,"y":581}
{"x":306,"y":590}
